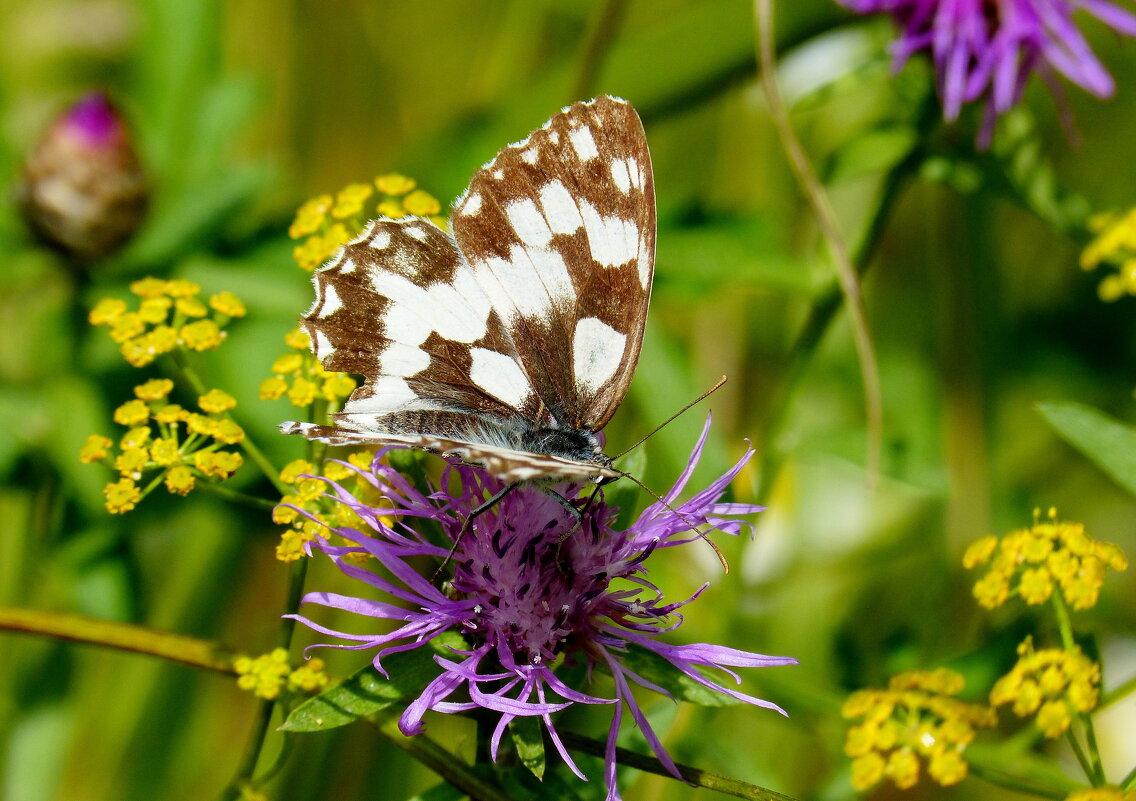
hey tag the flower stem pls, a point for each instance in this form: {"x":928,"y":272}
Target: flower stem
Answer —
{"x":438,"y":759}
{"x":122,"y":636}
{"x":1010,"y":782}
{"x":1090,"y":761}
{"x":259,"y":733}
{"x":829,"y":301}
{"x":601,"y":33}
{"x":222,"y":491}
{"x":1117,"y":693}
{"x":696,"y":777}
{"x":830,"y":228}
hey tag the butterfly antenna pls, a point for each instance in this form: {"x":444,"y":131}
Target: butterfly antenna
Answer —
{"x":666,"y":422}
{"x":680,"y":515}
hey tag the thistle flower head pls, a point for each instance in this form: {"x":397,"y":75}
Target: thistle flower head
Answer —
{"x":83,"y":189}
{"x":530,"y":591}
{"x":986,"y":51}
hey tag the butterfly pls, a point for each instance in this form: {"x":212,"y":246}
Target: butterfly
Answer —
{"x":509,"y":343}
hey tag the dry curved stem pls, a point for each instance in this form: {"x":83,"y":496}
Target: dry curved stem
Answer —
{"x":695,"y":776}
{"x":121,"y":636}
{"x":830,"y":229}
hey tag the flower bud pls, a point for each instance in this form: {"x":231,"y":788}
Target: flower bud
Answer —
{"x":84,"y":190}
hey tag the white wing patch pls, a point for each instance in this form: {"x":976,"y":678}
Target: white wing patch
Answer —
{"x":597,"y":351}
{"x":511,"y":284}
{"x":471,"y":205}
{"x":583,"y":143}
{"x":529,"y":223}
{"x":500,"y":376}
{"x":613,"y":241}
{"x":560,"y":208}
{"x":381,"y":240}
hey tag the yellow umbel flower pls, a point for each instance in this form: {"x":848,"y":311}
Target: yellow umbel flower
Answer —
{"x":94,"y":449}
{"x":265,"y":674}
{"x":228,"y":304}
{"x":307,"y":510}
{"x":202,"y":335}
{"x":216,"y":401}
{"x":309,"y":678}
{"x":121,"y":496}
{"x":299,"y":376}
{"x":326,"y":223}
{"x":1052,"y":685}
{"x":162,"y":321}
{"x":916,"y":721}
{"x":152,"y":444}
{"x":107,"y":311}
{"x":1114,"y":245}
{"x":154,"y":389}
{"x":1051,"y":556}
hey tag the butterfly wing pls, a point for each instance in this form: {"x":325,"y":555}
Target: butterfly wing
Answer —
{"x":560,"y":232}
{"x":466,"y":346}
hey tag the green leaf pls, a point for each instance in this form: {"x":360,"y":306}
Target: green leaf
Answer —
{"x":527,"y":736}
{"x":655,"y":668}
{"x":1107,"y":442}
{"x":366,"y":691}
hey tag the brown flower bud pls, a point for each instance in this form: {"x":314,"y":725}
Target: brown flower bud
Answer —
{"x":84,"y":190}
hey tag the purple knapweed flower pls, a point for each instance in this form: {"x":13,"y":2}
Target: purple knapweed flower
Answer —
{"x":987,"y":49}
{"x":524,"y":599}
{"x":84,"y":190}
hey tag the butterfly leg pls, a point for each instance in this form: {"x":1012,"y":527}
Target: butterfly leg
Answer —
{"x":488,"y":504}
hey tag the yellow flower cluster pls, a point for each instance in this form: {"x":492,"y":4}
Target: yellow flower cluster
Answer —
{"x":267,"y":674}
{"x":155,"y":441}
{"x":327,"y":222}
{"x":309,"y":496}
{"x":1054,"y":684}
{"x":302,"y":378}
{"x":1050,"y":555}
{"x":1114,"y":244}
{"x":917,"y":719}
{"x":169,"y":315}
{"x":1102,"y":794}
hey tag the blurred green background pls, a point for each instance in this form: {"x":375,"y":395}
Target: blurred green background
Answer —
{"x":243,"y":109}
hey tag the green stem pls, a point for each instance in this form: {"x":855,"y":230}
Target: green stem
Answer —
{"x":259,"y":734}
{"x":247,"y":445}
{"x":1079,"y":752}
{"x":829,"y":301}
{"x":602,"y":32}
{"x":221,"y":491}
{"x":1064,"y":621}
{"x":438,"y":759}
{"x":1090,"y":761}
{"x":699,"y":778}
{"x":121,"y":636}
{"x":1118,"y":693}
{"x":829,"y":226}
{"x":1010,"y":782}
{"x":1129,"y":781}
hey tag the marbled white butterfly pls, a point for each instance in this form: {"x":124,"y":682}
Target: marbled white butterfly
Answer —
{"x":511,"y":342}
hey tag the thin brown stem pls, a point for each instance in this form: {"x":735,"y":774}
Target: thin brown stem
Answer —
{"x":830,"y":229}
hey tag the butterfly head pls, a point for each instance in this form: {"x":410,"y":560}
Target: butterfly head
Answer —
{"x":576,"y":444}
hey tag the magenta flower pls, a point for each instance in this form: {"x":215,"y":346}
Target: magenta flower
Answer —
{"x":524,"y":600}
{"x":986,"y":49}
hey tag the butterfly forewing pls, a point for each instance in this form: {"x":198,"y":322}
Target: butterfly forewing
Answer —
{"x":529,"y":319}
{"x":560,"y":231}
